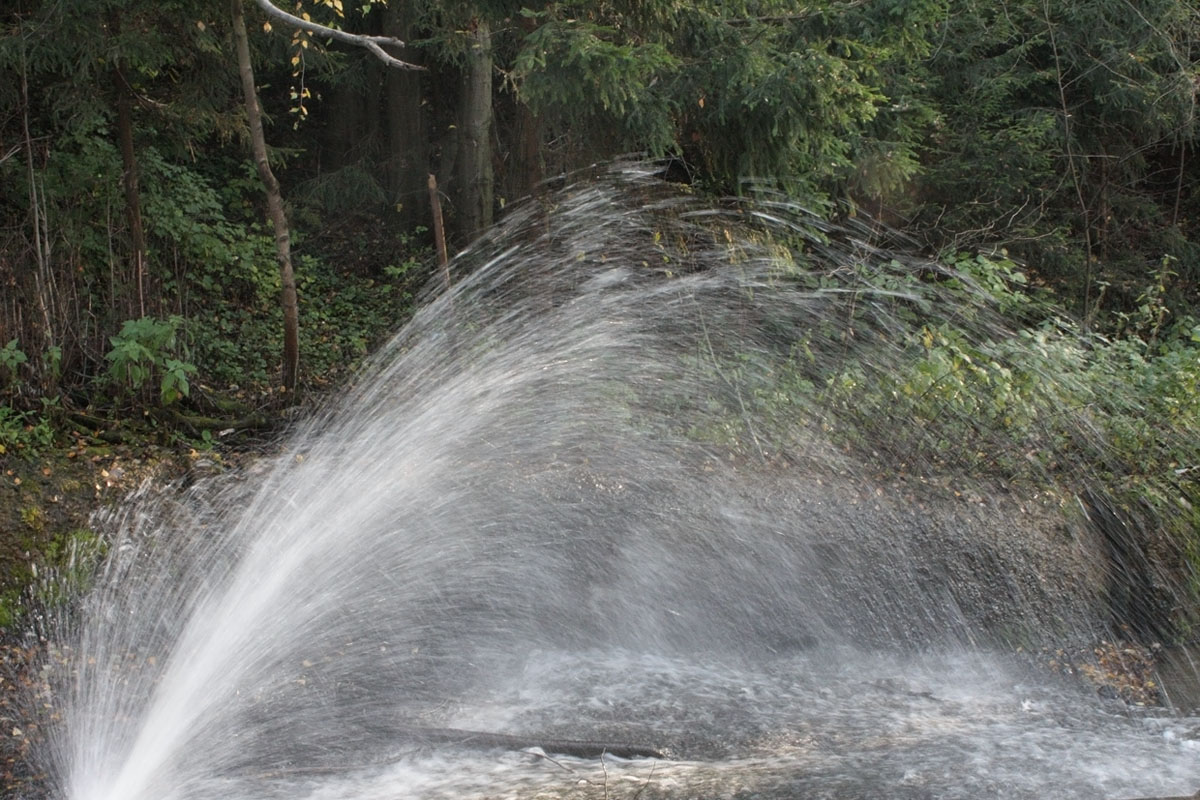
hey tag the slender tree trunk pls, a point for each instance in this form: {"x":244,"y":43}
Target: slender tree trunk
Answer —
{"x":40,"y":236}
{"x":283,"y":246}
{"x":528,"y":172}
{"x":129,"y":179}
{"x":407,"y":142}
{"x":476,"y":184}
{"x":1089,"y":313}
{"x":353,"y":123}
{"x":532,"y":170}
{"x":1179,"y":182}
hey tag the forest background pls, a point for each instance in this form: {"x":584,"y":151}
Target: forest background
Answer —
{"x":1048,"y":144}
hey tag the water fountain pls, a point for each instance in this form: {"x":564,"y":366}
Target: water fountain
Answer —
{"x":620,"y":485}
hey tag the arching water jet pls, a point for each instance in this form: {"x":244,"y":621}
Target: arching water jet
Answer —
{"x":647,"y":473}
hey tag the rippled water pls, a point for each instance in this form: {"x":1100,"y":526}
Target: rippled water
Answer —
{"x":854,"y":726}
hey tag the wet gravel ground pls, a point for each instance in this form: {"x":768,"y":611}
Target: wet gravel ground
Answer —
{"x":22,"y":732}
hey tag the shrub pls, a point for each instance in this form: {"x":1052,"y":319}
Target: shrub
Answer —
{"x":146,"y":350}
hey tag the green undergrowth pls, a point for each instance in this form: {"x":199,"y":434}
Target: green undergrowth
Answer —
{"x":344,"y":314}
{"x":48,"y":549}
{"x":60,"y":569}
{"x":965,"y":374}
{"x":184,"y":385}
{"x":1053,"y":406}
{"x":24,"y":432}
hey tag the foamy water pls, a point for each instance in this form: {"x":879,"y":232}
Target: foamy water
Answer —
{"x":963,"y":726}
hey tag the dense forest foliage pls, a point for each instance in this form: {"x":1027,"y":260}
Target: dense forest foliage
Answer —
{"x":137,"y":259}
{"x":146,"y":243}
{"x":206,"y":212}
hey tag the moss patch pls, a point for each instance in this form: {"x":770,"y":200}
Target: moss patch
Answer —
{"x":46,"y":504}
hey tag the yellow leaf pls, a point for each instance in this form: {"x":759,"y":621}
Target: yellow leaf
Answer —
{"x":267,"y":27}
{"x":295,"y":59}
{"x":200,"y":24}
{"x":700,"y":102}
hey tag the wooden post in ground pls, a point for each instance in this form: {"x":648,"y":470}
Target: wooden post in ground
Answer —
{"x":439,"y":231}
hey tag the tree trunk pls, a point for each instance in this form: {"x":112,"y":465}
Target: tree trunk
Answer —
{"x":528,"y":169}
{"x":283,"y":246}
{"x":43,"y":278}
{"x":529,"y":148}
{"x":475,"y":187}
{"x":129,"y":179}
{"x":408,"y":150}
{"x":352,"y":121}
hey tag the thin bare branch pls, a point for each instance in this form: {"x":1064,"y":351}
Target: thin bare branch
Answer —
{"x":542,"y":754}
{"x":649,"y":777}
{"x":372,"y":43}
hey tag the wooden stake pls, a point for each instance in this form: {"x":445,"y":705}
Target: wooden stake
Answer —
{"x":439,"y":231}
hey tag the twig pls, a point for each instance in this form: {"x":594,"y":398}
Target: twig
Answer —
{"x":649,"y":777}
{"x":533,"y":752}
